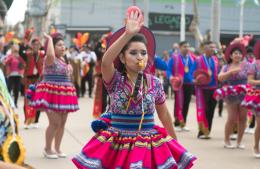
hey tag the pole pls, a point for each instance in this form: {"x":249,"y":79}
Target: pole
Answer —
{"x":215,"y":20}
{"x":241,"y":25}
{"x":146,"y":13}
{"x":183,"y":22}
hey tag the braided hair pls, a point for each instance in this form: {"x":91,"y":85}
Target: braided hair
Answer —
{"x":136,"y":38}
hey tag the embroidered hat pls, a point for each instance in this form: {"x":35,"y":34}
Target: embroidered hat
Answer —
{"x":176,"y":82}
{"x":233,"y":46}
{"x":202,"y":76}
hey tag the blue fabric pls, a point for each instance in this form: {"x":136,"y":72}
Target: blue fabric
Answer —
{"x":213,"y":82}
{"x":131,"y":122}
{"x":98,"y":125}
{"x":56,"y":78}
{"x":188,"y":77}
{"x":160,"y":63}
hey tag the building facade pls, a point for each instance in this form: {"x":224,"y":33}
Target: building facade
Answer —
{"x":101,"y":16}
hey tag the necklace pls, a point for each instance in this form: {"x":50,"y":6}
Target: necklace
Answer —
{"x":130,"y":80}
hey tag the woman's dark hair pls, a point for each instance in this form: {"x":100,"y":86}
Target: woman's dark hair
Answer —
{"x":249,"y":49}
{"x":57,"y":38}
{"x":136,"y":38}
{"x":232,"y":51}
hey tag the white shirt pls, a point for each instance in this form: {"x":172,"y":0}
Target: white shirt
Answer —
{"x":87,"y":56}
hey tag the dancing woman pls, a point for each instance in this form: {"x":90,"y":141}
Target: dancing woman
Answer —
{"x":133,"y":140}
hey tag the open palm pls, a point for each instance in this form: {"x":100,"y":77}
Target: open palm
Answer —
{"x":134,"y":22}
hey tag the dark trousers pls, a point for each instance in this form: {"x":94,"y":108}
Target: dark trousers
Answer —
{"x":220,"y":107}
{"x":210,"y":104}
{"x":89,"y":79}
{"x":187,"y":93}
{"x":14,"y":83}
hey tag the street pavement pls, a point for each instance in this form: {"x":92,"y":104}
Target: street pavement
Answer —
{"x":210,"y":153}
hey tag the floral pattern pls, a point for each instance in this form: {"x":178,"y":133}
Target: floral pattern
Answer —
{"x":120,"y":90}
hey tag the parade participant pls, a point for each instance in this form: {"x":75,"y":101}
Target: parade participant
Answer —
{"x":33,"y":72}
{"x":75,"y":62}
{"x":181,"y":65}
{"x":89,"y":59}
{"x":15,"y":65}
{"x":55,"y":94}
{"x":100,"y":98}
{"x":234,"y":73}
{"x":166,"y":81}
{"x":252,"y":98}
{"x":250,"y":58}
{"x":174,"y":50}
{"x":221,"y":62}
{"x":206,"y":66}
{"x":133,"y":141}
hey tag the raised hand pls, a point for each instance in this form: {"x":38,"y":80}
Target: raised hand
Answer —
{"x":46,"y":36}
{"x":134,"y":22}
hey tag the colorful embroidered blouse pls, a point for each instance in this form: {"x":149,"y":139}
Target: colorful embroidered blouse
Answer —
{"x":57,"y":72}
{"x":239,"y":78}
{"x":120,"y":90}
{"x":254,"y":69}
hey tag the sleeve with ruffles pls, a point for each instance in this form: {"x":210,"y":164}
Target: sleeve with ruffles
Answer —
{"x":111,"y":86}
{"x":251,"y":69}
{"x":159,"y":92}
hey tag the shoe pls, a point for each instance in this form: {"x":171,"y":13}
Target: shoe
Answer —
{"x":50,"y":156}
{"x":257,"y":155}
{"x":233,"y":136}
{"x":178,"y":129}
{"x":185,"y":129}
{"x":204,"y":137}
{"x":27,"y":126}
{"x":249,"y":131}
{"x":241,"y":146}
{"x":229,"y":146}
{"x":35,"y":125}
{"x":62,"y":155}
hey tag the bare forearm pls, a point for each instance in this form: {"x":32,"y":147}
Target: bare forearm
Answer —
{"x":254,"y":82}
{"x":224,"y":76}
{"x":115,"y":49}
{"x":50,"y":54}
{"x":167,"y":122}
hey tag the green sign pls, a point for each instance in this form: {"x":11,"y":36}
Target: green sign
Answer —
{"x":167,"y":22}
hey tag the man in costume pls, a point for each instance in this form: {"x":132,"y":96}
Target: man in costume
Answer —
{"x":181,"y":66}
{"x":33,"y":57}
{"x":206,"y":72}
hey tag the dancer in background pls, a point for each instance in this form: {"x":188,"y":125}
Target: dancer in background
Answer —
{"x":181,"y":66}
{"x":55,"y":94}
{"x":206,"y":69}
{"x":232,"y":75}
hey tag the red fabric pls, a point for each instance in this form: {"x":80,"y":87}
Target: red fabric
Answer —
{"x":31,"y":63}
{"x":13,"y":64}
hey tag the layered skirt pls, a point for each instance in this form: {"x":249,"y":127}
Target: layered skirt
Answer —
{"x":252,"y":100}
{"x":126,"y":148}
{"x":54,"y":94}
{"x":231,"y":93}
